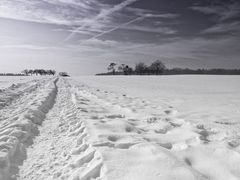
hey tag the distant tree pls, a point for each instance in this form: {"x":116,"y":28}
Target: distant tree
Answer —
{"x":200,"y":71}
{"x":111,"y":67}
{"x":26,"y":72}
{"x":48,"y":72}
{"x":141,"y":68}
{"x":52,"y":72}
{"x":125,"y":69}
{"x":39,"y":72}
{"x":131,"y":70}
{"x":43,"y":72}
{"x":121,"y":67}
{"x":30,"y":71}
{"x":36,"y":71}
{"x":157,"y":67}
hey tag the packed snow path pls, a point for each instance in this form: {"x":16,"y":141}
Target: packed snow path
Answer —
{"x":65,"y":130}
{"x":22,"y":110}
{"x":61,"y":150}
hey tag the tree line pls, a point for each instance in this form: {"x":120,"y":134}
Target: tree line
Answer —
{"x":28,"y":72}
{"x":216,"y":71}
{"x":159,"y":68}
{"x":11,"y":74}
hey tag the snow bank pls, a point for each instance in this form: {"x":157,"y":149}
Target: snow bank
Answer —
{"x":19,"y":134}
{"x":62,"y":150}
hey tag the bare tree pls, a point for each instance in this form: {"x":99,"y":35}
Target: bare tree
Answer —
{"x":39,"y":72}
{"x":30,"y":71}
{"x":121,"y":67}
{"x":140,"y":68}
{"x":157,"y":67}
{"x":25,"y":71}
{"x":111,"y":67}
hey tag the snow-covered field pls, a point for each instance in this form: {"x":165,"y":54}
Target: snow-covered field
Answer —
{"x":6,"y":81}
{"x":120,"y":127}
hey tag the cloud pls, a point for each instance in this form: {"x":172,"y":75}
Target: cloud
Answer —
{"x":167,"y":15}
{"x":117,"y":27}
{"x":163,"y":30}
{"x":103,"y":14}
{"x":86,"y":19}
{"x":160,"y":30}
{"x":226,"y":18}
{"x":233,"y":27}
{"x":29,"y":47}
{"x":59,"y":12}
{"x":222,"y":11}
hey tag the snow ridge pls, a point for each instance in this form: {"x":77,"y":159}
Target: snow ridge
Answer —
{"x":88,"y":154}
{"x":8,"y":95}
{"x":62,"y":150}
{"x":17,"y":133}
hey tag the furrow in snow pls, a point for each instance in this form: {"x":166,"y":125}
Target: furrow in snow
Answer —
{"x":15,"y":91}
{"x":62,"y":149}
{"x":17,"y":133}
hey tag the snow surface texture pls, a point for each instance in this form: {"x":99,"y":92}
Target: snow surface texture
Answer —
{"x":20,"y":119}
{"x":121,"y":128}
{"x":7,"y":81}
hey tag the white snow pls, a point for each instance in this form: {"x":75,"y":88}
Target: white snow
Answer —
{"x":7,"y":81}
{"x":121,"y":127}
{"x":18,"y":124}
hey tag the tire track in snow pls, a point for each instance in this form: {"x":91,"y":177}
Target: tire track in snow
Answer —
{"x":89,"y":155}
{"x":62,"y":151}
{"x":18,"y":131}
{"x":28,"y":95}
{"x":15,"y":91}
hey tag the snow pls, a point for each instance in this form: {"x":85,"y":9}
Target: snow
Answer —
{"x":121,"y":128}
{"x":7,"y":81}
{"x":18,"y":126}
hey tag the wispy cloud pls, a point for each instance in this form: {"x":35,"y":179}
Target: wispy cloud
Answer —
{"x":117,"y":27}
{"x":29,"y":47}
{"x":60,"y":12}
{"x":159,"y":30}
{"x":103,"y":14}
{"x":164,"y":30}
{"x":222,"y":11}
{"x":88,"y":19}
{"x":226,"y":17}
{"x":232,"y":27}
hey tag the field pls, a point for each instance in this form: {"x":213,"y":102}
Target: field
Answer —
{"x":120,"y":128}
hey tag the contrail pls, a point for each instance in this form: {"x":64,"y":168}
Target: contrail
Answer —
{"x":102,"y":15}
{"x":130,"y":22}
{"x":115,"y":28}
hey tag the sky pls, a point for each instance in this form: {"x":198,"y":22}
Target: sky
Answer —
{"x":82,"y":37}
